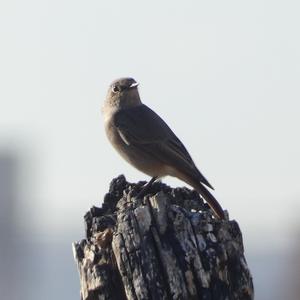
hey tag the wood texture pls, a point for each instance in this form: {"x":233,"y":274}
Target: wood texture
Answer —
{"x":164,"y":246}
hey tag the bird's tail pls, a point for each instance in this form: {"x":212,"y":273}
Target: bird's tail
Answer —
{"x":210,"y":199}
{"x":204,"y":192}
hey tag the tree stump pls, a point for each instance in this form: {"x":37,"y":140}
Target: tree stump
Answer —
{"x":164,"y":246}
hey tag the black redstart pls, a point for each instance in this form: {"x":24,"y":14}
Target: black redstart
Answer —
{"x":147,"y":142}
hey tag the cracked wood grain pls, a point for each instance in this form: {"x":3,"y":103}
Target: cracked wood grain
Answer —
{"x":164,"y":246}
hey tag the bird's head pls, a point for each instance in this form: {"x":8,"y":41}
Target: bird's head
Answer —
{"x":123,"y":93}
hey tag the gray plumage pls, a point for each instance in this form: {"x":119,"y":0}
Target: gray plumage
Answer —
{"x":147,"y":142}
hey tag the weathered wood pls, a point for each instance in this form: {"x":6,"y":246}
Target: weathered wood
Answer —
{"x":164,"y":246}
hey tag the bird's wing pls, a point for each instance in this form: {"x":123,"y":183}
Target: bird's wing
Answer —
{"x":143,"y":128}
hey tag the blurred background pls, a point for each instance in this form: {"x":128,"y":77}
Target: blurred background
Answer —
{"x":228,"y":69}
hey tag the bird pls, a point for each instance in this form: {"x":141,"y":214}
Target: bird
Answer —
{"x":144,"y":140}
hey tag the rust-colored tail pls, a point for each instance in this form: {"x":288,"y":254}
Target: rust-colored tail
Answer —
{"x":203,"y":191}
{"x":195,"y":182}
{"x":210,"y":199}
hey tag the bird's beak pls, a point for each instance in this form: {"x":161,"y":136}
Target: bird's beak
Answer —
{"x":133,"y":85}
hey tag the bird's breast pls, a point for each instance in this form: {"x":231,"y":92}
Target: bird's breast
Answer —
{"x":135,"y":154}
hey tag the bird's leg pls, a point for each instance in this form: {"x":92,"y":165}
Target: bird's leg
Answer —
{"x":146,"y":187}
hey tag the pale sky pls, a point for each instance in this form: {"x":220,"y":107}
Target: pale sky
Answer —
{"x":223,"y":74}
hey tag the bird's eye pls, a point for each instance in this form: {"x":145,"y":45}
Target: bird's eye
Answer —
{"x":115,"y":89}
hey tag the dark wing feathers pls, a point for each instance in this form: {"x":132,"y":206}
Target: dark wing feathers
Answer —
{"x":142,"y":127}
{"x":179,"y":148}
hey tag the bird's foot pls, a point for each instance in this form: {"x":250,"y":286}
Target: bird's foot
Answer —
{"x":145,"y":188}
